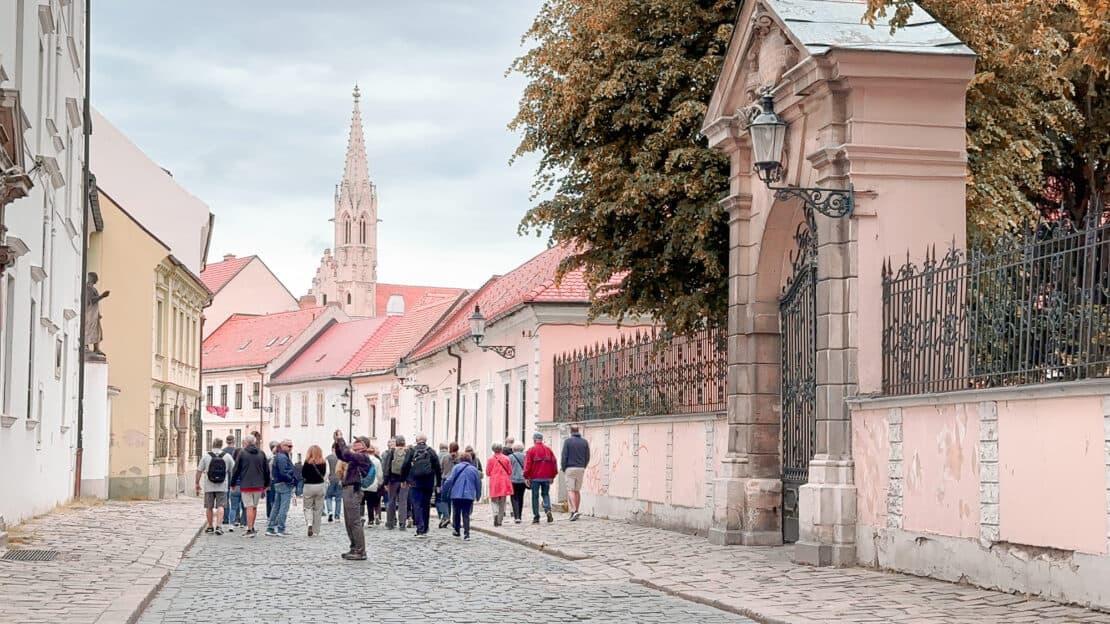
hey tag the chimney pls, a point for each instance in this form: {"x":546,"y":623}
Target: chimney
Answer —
{"x":307,"y":301}
{"x":229,"y":257}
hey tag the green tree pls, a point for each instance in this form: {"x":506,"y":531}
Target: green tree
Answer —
{"x":616,"y":96}
{"x":1038,"y":127}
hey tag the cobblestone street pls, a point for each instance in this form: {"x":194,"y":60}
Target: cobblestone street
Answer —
{"x":764,"y":583}
{"x":298,"y":579}
{"x":111,"y":557}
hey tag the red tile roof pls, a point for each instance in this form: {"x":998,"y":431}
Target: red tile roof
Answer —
{"x":389,"y":344}
{"x":412,"y":295}
{"x":332,"y":350}
{"x":531,"y":282}
{"x":254,"y":340}
{"x":216,"y":275}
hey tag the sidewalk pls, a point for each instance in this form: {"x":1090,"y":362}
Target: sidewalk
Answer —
{"x":762,"y":583}
{"x":112,"y":557}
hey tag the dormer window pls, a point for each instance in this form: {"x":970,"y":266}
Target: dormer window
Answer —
{"x":395,"y":306}
{"x":243,"y":347}
{"x":272,"y":341}
{"x":284,"y":340}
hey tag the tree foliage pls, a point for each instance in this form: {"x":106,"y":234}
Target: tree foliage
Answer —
{"x":615,"y":100}
{"x":1038,"y":124}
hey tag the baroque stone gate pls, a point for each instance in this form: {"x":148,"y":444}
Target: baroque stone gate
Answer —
{"x":877,"y":112}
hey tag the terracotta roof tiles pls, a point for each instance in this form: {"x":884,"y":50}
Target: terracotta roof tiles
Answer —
{"x":216,"y":275}
{"x":254,"y":340}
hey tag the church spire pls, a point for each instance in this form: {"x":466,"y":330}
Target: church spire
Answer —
{"x":355,"y":171}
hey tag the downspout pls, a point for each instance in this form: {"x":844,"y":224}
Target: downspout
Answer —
{"x":84,"y":260}
{"x":458,"y":387}
{"x":351,"y":410}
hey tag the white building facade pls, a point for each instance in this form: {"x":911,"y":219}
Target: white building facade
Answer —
{"x":42,"y":80}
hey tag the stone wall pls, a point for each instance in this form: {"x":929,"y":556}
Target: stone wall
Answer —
{"x":1004,"y":488}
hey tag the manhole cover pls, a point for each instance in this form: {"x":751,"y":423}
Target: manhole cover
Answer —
{"x":30,"y":555}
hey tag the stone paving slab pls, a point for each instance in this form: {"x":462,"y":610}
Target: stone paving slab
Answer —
{"x":112,"y":558}
{"x":764,"y":584}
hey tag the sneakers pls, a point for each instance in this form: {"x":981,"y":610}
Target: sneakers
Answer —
{"x":310,"y":531}
{"x":219,"y":531}
{"x":354,"y":556}
{"x":271,"y":533}
{"x":443,"y":522}
{"x":209,"y":531}
{"x":574,"y":516}
{"x":466,"y":538}
{"x":250,"y":533}
{"x":331,"y":518}
{"x":550,"y":518}
{"x":455,"y":533}
{"x":518,"y":520}
{"x":496,"y":521}
{"x":536,"y":520}
{"x":282,"y":534}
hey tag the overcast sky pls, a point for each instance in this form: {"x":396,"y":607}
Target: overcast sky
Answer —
{"x":248,"y":103}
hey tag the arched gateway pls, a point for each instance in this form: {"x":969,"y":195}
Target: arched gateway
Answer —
{"x":868,"y":110}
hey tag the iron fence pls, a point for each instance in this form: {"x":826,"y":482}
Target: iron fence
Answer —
{"x":643,"y":375}
{"x":1026,"y":308}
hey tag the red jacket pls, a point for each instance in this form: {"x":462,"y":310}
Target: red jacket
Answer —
{"x":539,"y":463}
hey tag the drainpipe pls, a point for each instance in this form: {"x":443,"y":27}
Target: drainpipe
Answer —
{"x":458,"y":388}
{"x":350,"y":410}
{"x":87,"y":130}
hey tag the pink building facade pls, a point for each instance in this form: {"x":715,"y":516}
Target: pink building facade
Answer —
{"x":243,"y":286}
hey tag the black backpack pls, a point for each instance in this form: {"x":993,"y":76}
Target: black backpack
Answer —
{"x":422,"y":463}
{"x":217,"y":468}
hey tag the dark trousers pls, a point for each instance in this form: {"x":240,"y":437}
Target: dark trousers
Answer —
{"x":352,"y":503}
{"x":421,"y":498}
{"x":398,"y":505}
{"x":518,"y":500}
{"x":373,"y":501}
{"x":270,"y":501}
{"x":461,"y":508}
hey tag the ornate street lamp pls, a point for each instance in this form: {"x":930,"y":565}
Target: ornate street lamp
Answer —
{"x":478,"y":332}
{"x":402,"y":370}
{"x":768,"y":132}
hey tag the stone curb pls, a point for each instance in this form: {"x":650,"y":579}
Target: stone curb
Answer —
{"x":130,"y":606}
{"x":710,"y":602}
{"x":569,"y":554}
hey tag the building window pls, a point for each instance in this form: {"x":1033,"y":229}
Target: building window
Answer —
{"x":373,"y":421}
{"x":223,"y":395}
{"x":9,"y":333}
{"x":507,"y":425}
{"x":238,"y":396}
{"x":207,"y":438}
{"x":58,"y":358}
{"x":475,"y":397}
{"x":447,"y":420}
{"x":325,"y":298}
{"x":320,"y":408}
{"x":159,"y":328}
{"x":392,"y":427}
{"x":348,"y":298}
{"x":288,"y":411}
{"x":256,"y":395}
{"x":275,"y":407}
{"x":460,"y":426}
{"x":238,"y":438}
{"x":304,"y":409}
{"x":208,"y":395}
{"x":433,"y":419}
{"x":523,"y":407}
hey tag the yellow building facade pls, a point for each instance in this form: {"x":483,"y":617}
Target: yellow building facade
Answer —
{"x":152,"y":338}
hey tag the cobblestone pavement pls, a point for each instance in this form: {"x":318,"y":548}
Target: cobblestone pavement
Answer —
{"x":406,"y":579}
{"x":112,"y":556}
{"x":764,"y":584}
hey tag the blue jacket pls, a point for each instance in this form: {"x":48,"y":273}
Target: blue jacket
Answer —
{"x":576,"y":452}
{"x":464,"y":483}
{"x":283,"y":469}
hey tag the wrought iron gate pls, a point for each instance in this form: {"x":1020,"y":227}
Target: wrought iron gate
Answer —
{"x":798,"y":325}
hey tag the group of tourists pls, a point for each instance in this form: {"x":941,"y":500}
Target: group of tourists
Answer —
{"x":353,"y":484}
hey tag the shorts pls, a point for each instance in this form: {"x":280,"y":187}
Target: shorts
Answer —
{"x":251,"y":499}
{"x":215,"y":499}
{"x":575,"y":477}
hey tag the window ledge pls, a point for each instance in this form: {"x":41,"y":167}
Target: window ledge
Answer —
{"x":31,"y":424}
{"x":64,"y":429}
{"x":7,"y":421}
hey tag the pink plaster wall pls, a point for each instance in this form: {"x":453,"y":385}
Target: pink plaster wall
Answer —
{"x":941,"y":463}
{"x":595,"y":471}
{"x":621,"y":461}
{"x":1052,"y":474}
{"x":688,"y":464}
{"x":558,"y":339}
{"x":652,"y":477}
{"x":253,"y":291}
{"x":871,"y":452}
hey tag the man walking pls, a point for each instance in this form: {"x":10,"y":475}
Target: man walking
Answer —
{"x":233,"y":512}
{"x":396,"y":484}
{"x":333,"y":498}
{"x":271,"y":501}
{"x":214,"y":468}
{"x":539,"y":472}
{"x":358,"y":466}
{"x":421,"y":464}
{"x":285,"y":483}
{"x":253,"y":476}
{"x":576,"y":456}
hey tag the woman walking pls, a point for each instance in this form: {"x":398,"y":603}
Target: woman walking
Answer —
{"x":516,"y":460}
{"x":443,"y":501}
{"x":464,"y":487}
{"x":372,"y":496}
{"x":315,"y":473}
{"x":500,"y":472}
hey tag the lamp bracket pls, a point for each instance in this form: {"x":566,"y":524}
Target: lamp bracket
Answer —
{"x":833,"y":203}
{"x":420,"y":388}
{"x":505,"y":351}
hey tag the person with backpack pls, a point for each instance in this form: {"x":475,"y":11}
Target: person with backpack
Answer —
{"x":500,"y":471}
{"x":516,"y":460}
{"x":284,"y":482}
{"x":464,"y":486}
{"x":396,"y":484}
{"x":253,"y":476}
{"x":539,"y":471}
{"x":215,"y":468}
{"x":422,"y":469}
{"x":358,"y":467}
{"x":315,"y":472}
{"x":234,"y":515}
{"x":443,"y":499}
{"x":371,"y":489}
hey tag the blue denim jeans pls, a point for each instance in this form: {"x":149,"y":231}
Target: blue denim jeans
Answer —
{"x":283,"y":494}
{"x":541,"y":487}
{"x":233,"y":511}
{"x":333,"y":499}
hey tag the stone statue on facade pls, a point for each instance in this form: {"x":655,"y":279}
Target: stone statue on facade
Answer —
{"x":94,"y":331}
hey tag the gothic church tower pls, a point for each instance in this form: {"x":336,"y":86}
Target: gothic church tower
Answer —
{"x":349,"y":277}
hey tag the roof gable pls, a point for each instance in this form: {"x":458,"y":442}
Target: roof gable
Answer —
{"x":334,"y":349}
{"x":246,"y":340}
{"x":381,"y":354}
{"x":217,"y":275}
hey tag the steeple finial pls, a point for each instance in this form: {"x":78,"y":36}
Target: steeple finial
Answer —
{"x":356,"y":94}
